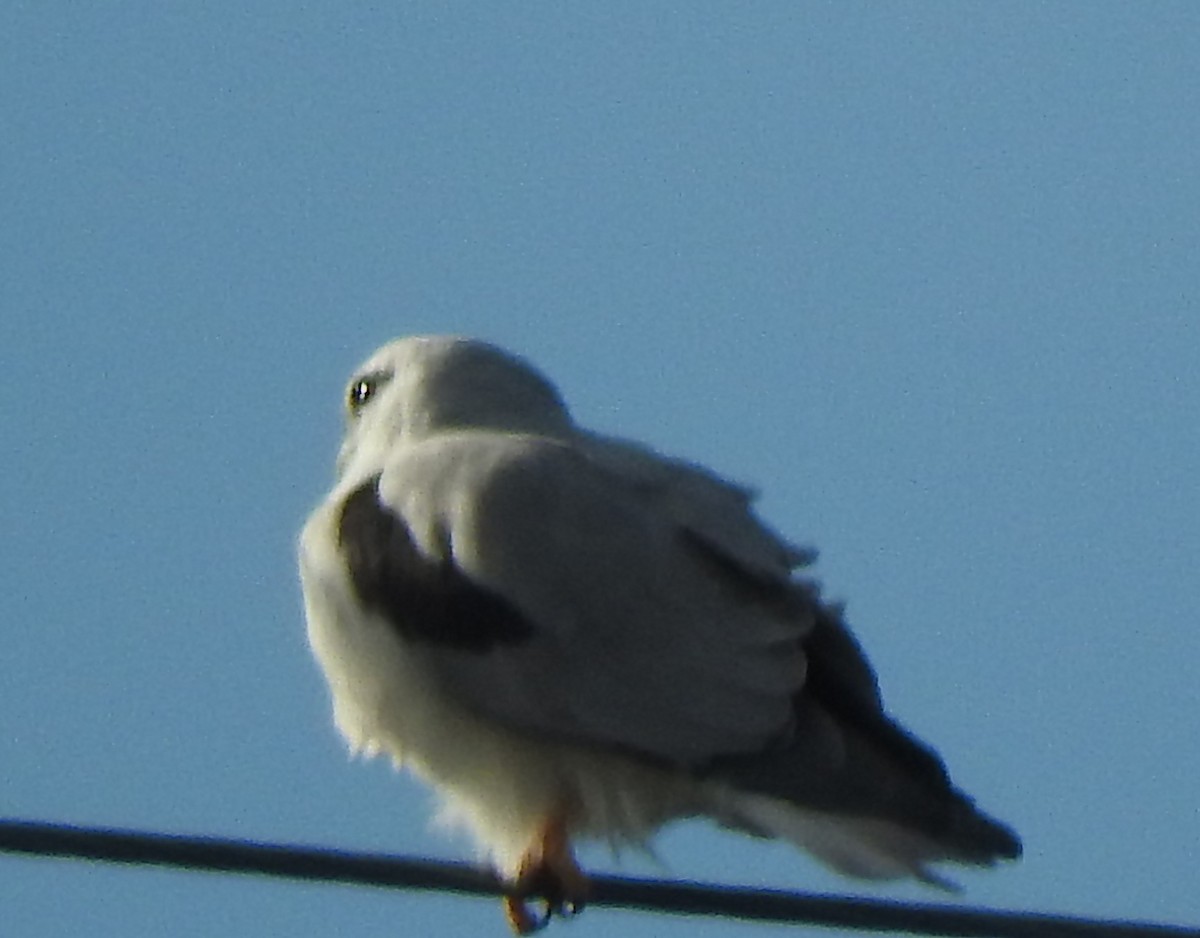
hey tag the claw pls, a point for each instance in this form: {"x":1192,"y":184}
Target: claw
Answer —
{"x":549,"y":873}
{"x":521,"y":919}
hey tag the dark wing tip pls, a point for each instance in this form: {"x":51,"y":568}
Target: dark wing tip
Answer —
{"x":848,"y":757}
{"x":993,"y":839}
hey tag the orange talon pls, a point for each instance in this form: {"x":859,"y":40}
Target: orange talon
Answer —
{"x":520,"y":919}
{"x":548,"y":872}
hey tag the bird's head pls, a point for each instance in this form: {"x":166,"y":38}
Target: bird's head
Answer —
{"x":416,"y":387}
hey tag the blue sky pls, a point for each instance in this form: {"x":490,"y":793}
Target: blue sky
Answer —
{"x":924,"y":273}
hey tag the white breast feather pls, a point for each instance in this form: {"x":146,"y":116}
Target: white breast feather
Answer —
{"x":498,"y":784}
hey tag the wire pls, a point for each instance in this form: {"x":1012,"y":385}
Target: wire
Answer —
{"x":37,"y":838}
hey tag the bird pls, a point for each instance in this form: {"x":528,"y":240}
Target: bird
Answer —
{"x":571,"y":636}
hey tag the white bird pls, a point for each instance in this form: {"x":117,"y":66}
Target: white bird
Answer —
{"x":568,"y":635}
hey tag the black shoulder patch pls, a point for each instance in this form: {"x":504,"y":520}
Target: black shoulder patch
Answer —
{"x":426,"y":600}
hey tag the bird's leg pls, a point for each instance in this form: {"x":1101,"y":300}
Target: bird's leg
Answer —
{"x":548,"y":872}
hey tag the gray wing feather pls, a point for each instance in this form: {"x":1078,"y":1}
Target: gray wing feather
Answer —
{"x":637,"y":644}
{"x":712,"y":508}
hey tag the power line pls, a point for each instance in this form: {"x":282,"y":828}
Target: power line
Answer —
{"x":216,"y":854}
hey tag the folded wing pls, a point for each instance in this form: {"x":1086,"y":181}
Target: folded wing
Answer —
{"x":592,"y":591}
{"x":627,"y":637}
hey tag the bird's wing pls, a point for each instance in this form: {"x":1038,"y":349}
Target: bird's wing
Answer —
{"x":568,"y":596}
{"x":714,"y":510}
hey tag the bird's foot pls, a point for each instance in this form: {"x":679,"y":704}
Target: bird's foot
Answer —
{"x":549,"y":874}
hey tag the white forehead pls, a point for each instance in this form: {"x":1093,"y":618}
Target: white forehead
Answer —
{"x":429,"y":384}
{"x":419,"y":352}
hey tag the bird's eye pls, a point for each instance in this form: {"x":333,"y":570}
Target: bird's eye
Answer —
{"x":360,"y":392}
